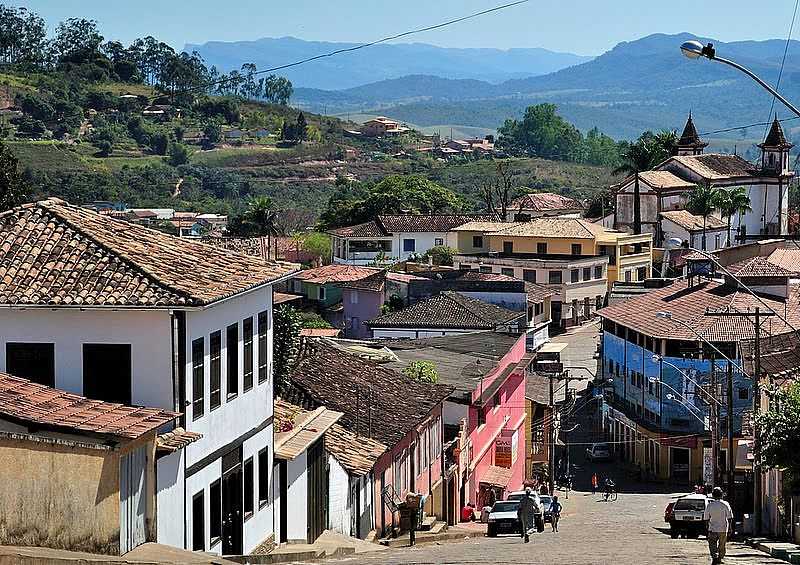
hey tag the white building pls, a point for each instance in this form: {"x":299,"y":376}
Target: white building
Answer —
{"x":689,"y":228}
{"x":667,"y":186}
{"x":395,"y":237}
{"x":118,"y":312}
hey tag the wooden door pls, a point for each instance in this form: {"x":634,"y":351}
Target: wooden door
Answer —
{"x":132,"y":499}
{"x":232,"y":516}
{"x":317,"y":491}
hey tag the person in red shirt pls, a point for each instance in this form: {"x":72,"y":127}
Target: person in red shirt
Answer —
{"x":468,"y":513}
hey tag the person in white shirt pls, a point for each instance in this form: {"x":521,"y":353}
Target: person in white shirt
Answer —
{"x":719,"y":516}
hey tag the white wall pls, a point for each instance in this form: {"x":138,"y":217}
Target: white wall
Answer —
{"x":259,"y":526}
{"x":201,"y":481}
{"x":297,"y":483}
{"x":339,"y":511}
{"x":169,"y":500}
{"x":148,"y":333}
{"x":424,"y":241}
{"x":247,"y":410}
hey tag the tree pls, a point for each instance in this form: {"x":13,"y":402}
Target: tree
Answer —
{"x":779,"y":435}
{"x":261,"y":215}
{"x":317,"y":244}
{"x":542,"y":133}
{"x":159,"y":143}
{"x":665,"y":140}
{"x":287,"y":323}
{"x":13,"y":189}
{"x":104,"y":147}
{"x":76,"y":39}
{"x":498,"y":193}
{"x":640,"y":156}
{"x":440,"y":255}
{"x":730,"y":202}
{"x":178,"y":154}
{"x":212,"y":134}
{"x":702,"y":201}
{"x":423,"y":371}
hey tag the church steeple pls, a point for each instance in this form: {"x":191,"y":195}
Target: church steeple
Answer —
{"x":690,"y":142}
{"x":775,"y":150}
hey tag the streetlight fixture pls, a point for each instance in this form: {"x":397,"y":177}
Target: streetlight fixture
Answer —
{"x":657,"y":358}
{"x":694,"y":50}
{"x":696,"y":417}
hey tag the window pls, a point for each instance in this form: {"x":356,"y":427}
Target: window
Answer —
{"x":438,"y":241}
{"x":576,"y":248}
{"x":215,"y":353}
{"x":198,"y":522}
{"x":215,"y":513}
{"x":587,"y":273}
{"x":248,"y":488}
{"x":485,"y":269}
{"x":598,"y":302}
{"x":409,"y":245}
{"x":321,"y":293}
{"x":508,"y":247}
{"x":744,"y":393}
{"x":232,"y":350}
{"x":263,"y":477}
{"x":507,"y":271}
{"x":464,"y":267}
{"x":554,"y":277}
{"x":477,"y":241}
{"x":641,"y":273}
{"x":247,"y":337}
{"x":33,"y":361}
{"x":529,"y":275}
{"x":574,"y":275}
{"x":627,"y":276}
{"x":541,"y":248}
{"x":262,"y":346}
{"x":353,"y":296}
{"x":598,"y":272}
{"x":198,"y":377}
{"x":102,"y":360}
{"x":538,"y":308}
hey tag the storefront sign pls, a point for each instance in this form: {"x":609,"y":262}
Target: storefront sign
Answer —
{"x":502,"y":451}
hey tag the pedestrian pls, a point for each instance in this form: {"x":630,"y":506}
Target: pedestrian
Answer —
{"x":525,"y":511}
{"x":555,"y":513}
{"x":595,"y":482}
{"x":719,"y":516}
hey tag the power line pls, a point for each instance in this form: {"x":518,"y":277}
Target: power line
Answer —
{"x":370,"y":44}
{"x":783,"y":61}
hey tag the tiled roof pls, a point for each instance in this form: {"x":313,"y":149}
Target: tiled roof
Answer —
{"x":375,"y":282}
{"x":473,"y":275}
{"x":690,"y":137}
{"x":691,"y":222}
{"x":176,"y":440}
{"x":367,"y":229}
{"x":757,"y":267}
{"x":663,"y":180}
{"x":356,"y":453}
{"x":496,"y":476}
{"x":53,"y":253}
{"x":572,"y":228}
{"x":369,"y":395}
{"x":447,"y":310}
{"x":298,"y":429}
{"x":789,"y":259}
{"x":408,"y":223}
{"x":689,"y":305}
{"x":26,"y":401}
{"x":335,"y":274}
{"x":538,"y":292}
{"x":775,"y":137}
{"x":780,"y":357}
{"x":482,"y":226}
{"x":537,"y":388}
{"x":715,"y":166}
{"x":282,"y":297}
{"x":320,"y":332}
{"x":546,"y":201}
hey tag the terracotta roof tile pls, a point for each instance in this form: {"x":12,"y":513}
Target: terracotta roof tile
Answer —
{"x":757,"y":267}
{"x":369,"y":395}
{"x":691,"y":222}
{"x":367,"y":229}
{"x":356,"y":453}
{"x":53,"y":253}
{"x":335,"y":273}
{"x":546,"y":201}
{"x":789,"y":259}
{"x":375,"y":282}
{"x":662,"y":180}
{"x":409,"y":223}
{"x":176,"y":439}
{"x":298,"y":429}
{"x":23,"y":400}
{"x":447,"y":310}
{"x":715,"y":166}
{"x":572,"y":228}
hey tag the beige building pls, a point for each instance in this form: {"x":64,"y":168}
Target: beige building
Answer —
{"x":78,"y":474}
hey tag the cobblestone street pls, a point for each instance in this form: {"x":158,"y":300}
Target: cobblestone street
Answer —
{"x":629,"y":531}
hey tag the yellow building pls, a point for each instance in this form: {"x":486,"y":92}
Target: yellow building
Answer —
{"x":629,"y":255}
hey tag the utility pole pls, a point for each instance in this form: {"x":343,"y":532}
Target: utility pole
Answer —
{"x":552,"y":435}
{"x":731,"y":464}
{"x":714,"y":412}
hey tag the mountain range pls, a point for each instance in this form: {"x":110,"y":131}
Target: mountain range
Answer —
{"x":381,"y":62}
{"x":637,"y":85}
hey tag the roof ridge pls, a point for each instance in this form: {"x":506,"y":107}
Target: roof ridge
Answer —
{"x":123,"y":256}
{"x":468,"y":303}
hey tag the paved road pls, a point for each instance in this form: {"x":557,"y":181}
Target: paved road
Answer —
{"x":627,"y":532}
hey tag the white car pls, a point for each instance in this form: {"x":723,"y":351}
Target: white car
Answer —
{"x":503,"y":518}
{"x":687,"y":516}
{"x":599,"y":452}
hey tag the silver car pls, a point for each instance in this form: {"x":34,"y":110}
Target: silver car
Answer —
{"x":503,"y":518}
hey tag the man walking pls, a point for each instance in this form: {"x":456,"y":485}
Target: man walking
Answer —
{"x":527,"y":507}
{"x":719,"y":516}
{"x":595,"y":482}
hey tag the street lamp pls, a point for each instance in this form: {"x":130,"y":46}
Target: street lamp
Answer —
{"x":694,"y":50}
{"x":698,"y":418}
{"x":658,"y":359}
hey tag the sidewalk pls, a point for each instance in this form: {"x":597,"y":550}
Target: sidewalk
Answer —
{"x":789,"y":552}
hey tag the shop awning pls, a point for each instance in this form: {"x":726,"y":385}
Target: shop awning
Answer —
{"x":496,"y":476}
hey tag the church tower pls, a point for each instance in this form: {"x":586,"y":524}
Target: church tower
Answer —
{"x":689,"y":142}
{"x":775,"y":151}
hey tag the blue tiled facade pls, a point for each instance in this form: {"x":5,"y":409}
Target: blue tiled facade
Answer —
{"x":631,"y":366}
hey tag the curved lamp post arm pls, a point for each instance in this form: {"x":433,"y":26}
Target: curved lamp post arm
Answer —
{"x":696,"y":417}
{"x":756,"y":78}
{"x":679,"y":395}
{"x":691,"y":380}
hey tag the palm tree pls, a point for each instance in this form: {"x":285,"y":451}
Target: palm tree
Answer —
{"x":261,"y":214}
{"x":702,"y":201}
{"x":640,"y":156}
{"x":734,"y":201}
{"x":666,"y":139}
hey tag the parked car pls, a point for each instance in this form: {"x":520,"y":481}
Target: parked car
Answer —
{"x":503,"y":518}
{"x":687,"y":516}
{"x":599,"y":452}
{"x":545,"y":501}
{"x":668,"y":512}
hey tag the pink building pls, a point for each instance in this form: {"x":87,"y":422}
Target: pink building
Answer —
{"x":484,"y":417}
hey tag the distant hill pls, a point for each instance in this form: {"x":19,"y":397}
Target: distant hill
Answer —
{"x":636,"y":85}
{"x":381,"y":62}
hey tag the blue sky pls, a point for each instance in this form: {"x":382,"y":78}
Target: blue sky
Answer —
{"x":579,"y":26}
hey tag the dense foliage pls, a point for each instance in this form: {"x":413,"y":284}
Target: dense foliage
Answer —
{"x":779,"y":433}
{"x":13,"y":189}
{"x":424,"y":371}
{"x":287,"y":323}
